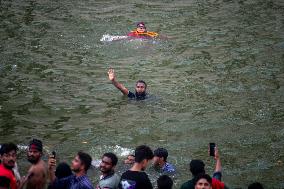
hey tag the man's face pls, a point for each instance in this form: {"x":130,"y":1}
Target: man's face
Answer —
{"x":34,"y":155}
{"x":106,"y":165}
{"x":130,"y":159}
{"x":141,"y":29}
{"x":9,"y":159}
{"x":157,"y":161}
{"x":76,"y":164}
{"x":202,"y":184}
{"x":140,"y":88}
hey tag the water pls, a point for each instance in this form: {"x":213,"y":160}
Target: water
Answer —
{"x":218,"y":77}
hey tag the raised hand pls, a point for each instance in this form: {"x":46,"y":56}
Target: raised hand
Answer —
{"x":111,"y":74}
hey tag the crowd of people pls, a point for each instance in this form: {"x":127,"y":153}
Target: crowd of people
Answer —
{"x":51,"y":175}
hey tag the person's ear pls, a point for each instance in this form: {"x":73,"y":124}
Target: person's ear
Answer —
{"x":144,"y":162}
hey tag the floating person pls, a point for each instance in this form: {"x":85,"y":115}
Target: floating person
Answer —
{"x":140,"y":87}
{"x":141,"y":32}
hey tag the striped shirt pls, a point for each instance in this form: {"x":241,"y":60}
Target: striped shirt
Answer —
{"x":73,"y":182}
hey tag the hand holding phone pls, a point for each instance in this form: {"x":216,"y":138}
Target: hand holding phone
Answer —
{"x":54,"y":154}
{"x":52,"y":161}
{"x":212,"y":149}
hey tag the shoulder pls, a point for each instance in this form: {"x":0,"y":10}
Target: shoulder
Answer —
{"x":187,"y":185}
{"x":169,"y":168}
{"x":86,"y":182}
{"x":131,"y":94}
{"x":217,"y":184}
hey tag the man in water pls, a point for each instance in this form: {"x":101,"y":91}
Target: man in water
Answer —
{"x":135,"y":177}
{"x":8,"y":156}
{"x":160,"y":162}
{"x":141,"y":32}
{"x":38,"y":171}
{"x":140,"y":88}
{"x":109,"y":179}
{"x":80,"y":165}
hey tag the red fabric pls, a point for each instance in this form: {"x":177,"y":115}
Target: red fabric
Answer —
{"x":135,"y":34}
{"x":216,"y":184}
{"x":10,"y":175}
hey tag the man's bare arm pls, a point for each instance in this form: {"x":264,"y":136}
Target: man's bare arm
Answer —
{"x":111,"y":76}
{"x":218,"y":167}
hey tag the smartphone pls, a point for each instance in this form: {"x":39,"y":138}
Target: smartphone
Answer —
{"x":54,"y":154}
{"x":212,"y":149}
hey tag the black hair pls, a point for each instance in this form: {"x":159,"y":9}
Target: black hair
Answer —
{"x":197,"y":167}
{"x":113,"y":158}
{"x":8,"y":147}
{"x":36,"y":143}
{"x":63,"y":170}
{"x":165,"y":182}
{"x":4,"y":182}
{"x":143,"y":152}
{"x":140,"y":23}
{"x":86,"y":159}
{"x":141,"y":81}
{"x":202,"y":176}
{"x":161,"y":152}
{"x":255,"y":185}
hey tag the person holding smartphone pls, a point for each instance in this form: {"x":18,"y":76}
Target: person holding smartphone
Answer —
{"x":197,"y":167}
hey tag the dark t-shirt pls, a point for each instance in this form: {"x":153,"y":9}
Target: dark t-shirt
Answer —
{"x":136,"y":97}
{"x":135,"y":180}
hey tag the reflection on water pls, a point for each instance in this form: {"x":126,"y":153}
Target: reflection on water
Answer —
{"x":218,"y":77}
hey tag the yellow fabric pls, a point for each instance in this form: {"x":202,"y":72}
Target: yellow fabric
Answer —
{"x":151,"y":34}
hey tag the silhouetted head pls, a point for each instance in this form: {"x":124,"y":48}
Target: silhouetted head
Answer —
{"x":165,"y":182}
{"x":143,"y":155}
{"x":197,"y":167}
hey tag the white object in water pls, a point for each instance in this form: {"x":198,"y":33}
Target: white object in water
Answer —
{"x":108,"y":37}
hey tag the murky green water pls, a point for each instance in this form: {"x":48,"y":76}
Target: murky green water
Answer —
{"x":218,"y":78}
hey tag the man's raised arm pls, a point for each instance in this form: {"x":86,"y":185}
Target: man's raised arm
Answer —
{"x":111,"y":76}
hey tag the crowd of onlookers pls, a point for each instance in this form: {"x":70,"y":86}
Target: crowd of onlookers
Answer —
{"x":54,"y":175}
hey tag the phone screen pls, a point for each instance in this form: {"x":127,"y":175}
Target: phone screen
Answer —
{"x":212,"y":149}
{"x":54,"y":154}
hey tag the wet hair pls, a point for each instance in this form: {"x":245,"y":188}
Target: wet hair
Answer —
{"x":63,"y":170}
{"x":140,"y":23}
{"x":4,"y":182}
{"x":143,"y":152}
{"x":165,"y":182}
{"x":161,"y":152}
{"x":197,"y":167}
{"x":112,"y":156}
{"x":255,"y":185}
{"x":141,"y":81}
{"x":86,"y":159}
{"x":202,"y":176}
{"x":8,"y":147}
